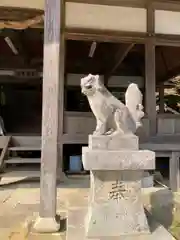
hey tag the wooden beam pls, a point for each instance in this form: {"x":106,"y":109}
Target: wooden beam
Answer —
{"x":169,"y":5}
{"x":167,"y":40}
{"x":50,"y":117}
{"x":104,"y":36}
{"x":158,"y":4}
{"x":119,"y":58}
{"x":125,"y":3}
{"x":130,"y":3}
{"x":116,"y":37}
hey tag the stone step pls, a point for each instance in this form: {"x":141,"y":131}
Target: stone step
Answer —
{"x":24,"y":173}
{"x":23,"y":160}
{"x":21,"y":171}
{"x":25,"y":148}
{"x":15,"y":175}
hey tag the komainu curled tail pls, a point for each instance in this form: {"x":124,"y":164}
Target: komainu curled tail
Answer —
{"x":133,"y":99}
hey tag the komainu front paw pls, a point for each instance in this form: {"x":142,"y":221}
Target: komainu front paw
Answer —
{"x":110,"y":132}
{"x":100,"y":129}
{"x":97,"y":133}
{"x":118,"y":132}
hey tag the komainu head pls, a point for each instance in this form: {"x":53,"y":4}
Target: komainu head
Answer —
{"x":91,"y":84}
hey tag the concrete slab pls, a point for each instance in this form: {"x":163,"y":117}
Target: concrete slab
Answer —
{"x":4,"y":234}
{"x":5,"y":195}
{"x":7,"y":221}
{"x":74,"y":201}
{"x":20,"y":201}
{"x":46,"y":237}
{"x":24,"y":196}
{"x":76,"y":230}
{"x":26,"y":209}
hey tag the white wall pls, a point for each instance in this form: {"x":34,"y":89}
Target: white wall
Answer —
{"x":104,"y":17}
{"x":167,"y":22}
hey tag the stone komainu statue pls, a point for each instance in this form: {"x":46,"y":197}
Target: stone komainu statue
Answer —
{"x":112,"y":116}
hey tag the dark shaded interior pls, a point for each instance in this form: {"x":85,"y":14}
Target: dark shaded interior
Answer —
{"x":23,"y":90}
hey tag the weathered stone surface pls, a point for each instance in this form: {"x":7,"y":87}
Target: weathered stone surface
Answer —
{"x":115,"y":207}
{"x":76,"y":229}
{"x":116,"y":164}
{"x":116,"y":142}
{"x":121,"y":160}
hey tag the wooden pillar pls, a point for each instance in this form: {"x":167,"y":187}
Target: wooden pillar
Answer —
{"x":61,"y":176}
{"x":150,"y":75}
{"x":174,"y":172}
{"x":50,"y":118}
{"x":161,"y":97}
{"x":150,"y":86}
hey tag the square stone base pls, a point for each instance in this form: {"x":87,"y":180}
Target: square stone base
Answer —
{"x":76,"y":229}
{"x":116,"y":142}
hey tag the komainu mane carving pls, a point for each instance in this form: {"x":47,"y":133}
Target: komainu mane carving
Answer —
{"x":112,"y":116}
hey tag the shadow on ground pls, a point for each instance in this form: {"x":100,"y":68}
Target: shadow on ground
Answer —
{"x":162,"y":205}
{"x":165,"y":211}
{"x":35,"y":183}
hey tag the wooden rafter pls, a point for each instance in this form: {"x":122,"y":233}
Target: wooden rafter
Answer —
{"x":20,"y":25}
{"x":120,"y":56}
{"x":170,"y":74}
{"x":164,"y":59}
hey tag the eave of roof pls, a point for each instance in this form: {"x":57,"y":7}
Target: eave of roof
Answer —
{"x":31,"y":4}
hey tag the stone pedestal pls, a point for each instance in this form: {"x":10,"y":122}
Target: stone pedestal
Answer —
{"x":115,"y":208}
